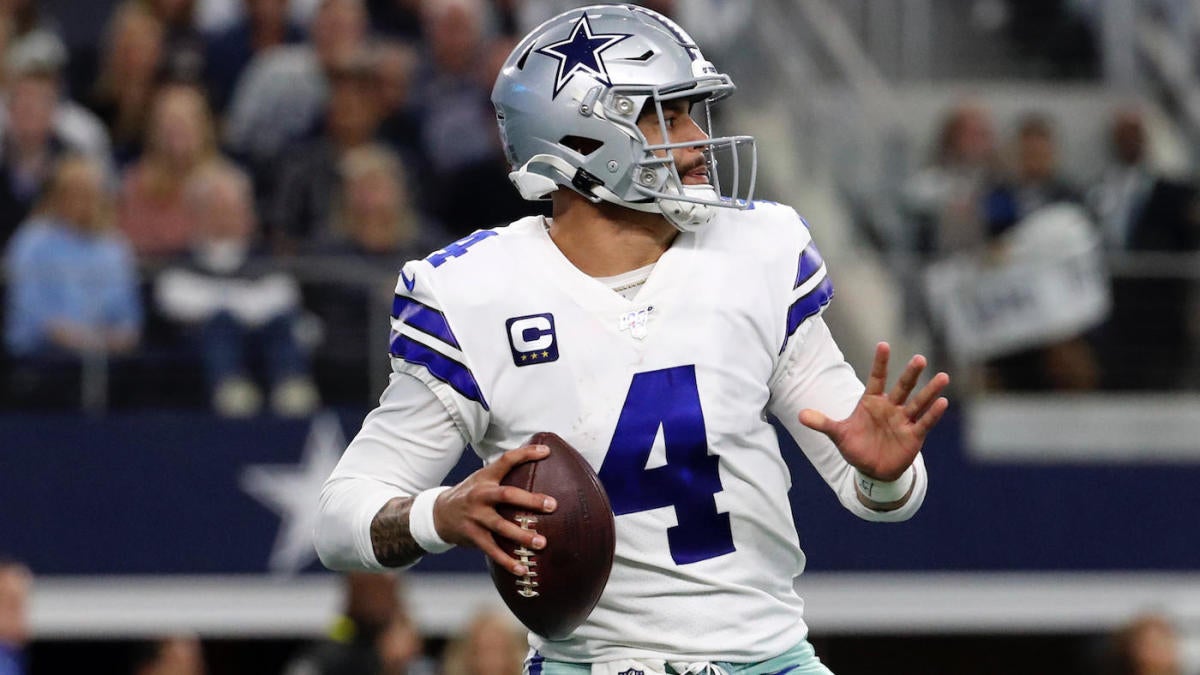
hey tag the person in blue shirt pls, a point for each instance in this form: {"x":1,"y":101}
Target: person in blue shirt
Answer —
{"x":73,"y":279}
{"x":73,"y":283}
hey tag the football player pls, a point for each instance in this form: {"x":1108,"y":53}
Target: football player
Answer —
{"x":654,"y":322}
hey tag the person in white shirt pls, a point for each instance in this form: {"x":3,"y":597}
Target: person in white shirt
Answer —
{"x":654,"y":322}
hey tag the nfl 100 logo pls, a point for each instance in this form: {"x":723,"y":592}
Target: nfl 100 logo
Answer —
{"x":532,"y":339}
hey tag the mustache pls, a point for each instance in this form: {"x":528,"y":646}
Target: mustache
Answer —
{"x":691,"y":166}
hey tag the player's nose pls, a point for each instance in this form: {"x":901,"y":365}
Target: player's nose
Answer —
{"x":689,"y":131}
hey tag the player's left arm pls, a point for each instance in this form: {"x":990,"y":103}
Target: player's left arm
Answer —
{"x":866,"y":445}
{"x":883,"y":434}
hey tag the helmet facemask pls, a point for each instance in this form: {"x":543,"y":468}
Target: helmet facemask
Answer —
{"x":656,"y":177}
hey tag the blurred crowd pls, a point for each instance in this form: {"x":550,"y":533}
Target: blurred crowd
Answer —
{"x":201,"y":199}
{"x":1048,"y":285}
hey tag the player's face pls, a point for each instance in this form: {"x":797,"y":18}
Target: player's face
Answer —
{"x":681,"y":128}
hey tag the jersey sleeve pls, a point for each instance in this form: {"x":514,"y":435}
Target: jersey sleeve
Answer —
{"x":816,"y":375}
{"x":423,"y":344}
{"x":812,"y":289}
{"x":407,"y":444}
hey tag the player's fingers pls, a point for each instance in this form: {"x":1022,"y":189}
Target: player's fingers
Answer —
{"x":508,"y":460}
{"x":932,"y":416}
{"x":817,"y":420}
{"x":878,"y":378}
{"x":908,"y":380}
{"x":526,"y":535}
{"x":488,"y":545}
{"x":932,"y":389}
{"x":515,"y":496}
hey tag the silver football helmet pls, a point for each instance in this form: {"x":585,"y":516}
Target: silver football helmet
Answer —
{"x":568,"y":100}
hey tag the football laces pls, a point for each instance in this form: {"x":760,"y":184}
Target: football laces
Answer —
{"x":527,"y":583}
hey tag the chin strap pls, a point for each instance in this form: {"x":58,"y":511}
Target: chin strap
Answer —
{"x":686,"y":216}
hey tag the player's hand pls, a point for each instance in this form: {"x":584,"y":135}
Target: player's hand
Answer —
{"x":884,"y":433}
{"x":466,"y":513}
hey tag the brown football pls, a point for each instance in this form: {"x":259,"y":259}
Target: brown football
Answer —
{"x":568,"y":576}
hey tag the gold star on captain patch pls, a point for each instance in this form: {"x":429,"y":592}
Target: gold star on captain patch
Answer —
{"x":524,"y":357}
{"x":545,"y":355}
{"x":533,"y":356}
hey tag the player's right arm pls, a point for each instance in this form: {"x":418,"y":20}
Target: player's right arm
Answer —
{"x":407,"y":444}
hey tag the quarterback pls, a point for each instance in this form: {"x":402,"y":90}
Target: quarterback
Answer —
{"x":655,"y":322}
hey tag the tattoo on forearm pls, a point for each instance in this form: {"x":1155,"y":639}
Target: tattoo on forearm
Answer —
{"x":390,"y":536}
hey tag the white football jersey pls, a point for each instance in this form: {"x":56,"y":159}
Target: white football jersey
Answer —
{"x":666,"y":396}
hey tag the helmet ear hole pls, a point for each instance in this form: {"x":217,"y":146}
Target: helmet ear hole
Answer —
{"x":581,"y":144}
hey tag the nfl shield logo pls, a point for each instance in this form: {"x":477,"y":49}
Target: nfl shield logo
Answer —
{"x":631,"y":671}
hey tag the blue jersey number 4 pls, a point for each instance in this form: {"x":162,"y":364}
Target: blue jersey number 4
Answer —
{"x":668,"y":399}
{"x":460,"y":247}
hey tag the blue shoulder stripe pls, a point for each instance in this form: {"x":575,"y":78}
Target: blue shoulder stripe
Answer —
{"x":424,"y":318}
{"x":810,"y":263}
{"x":444,"y":368}
{"x":808,"y":305}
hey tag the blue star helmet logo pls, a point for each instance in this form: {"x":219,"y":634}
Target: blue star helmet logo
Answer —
{"x":580,"y":53}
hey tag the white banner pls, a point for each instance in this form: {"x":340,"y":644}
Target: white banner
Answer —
{"x":1047,"y":283}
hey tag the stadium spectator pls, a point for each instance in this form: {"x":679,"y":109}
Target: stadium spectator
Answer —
{"x":491,"y":645}
{"x":183,"y":54}
{"x":1035,"y":181}
{"x":29,"y":23}
{"x":173,"y":655}
{"x":374,"y":635}
{"x":1147,"y":645}
{"x":73,"y":286}
{"x":1147,"y":342}
{"x":77,"y":126}
{"x":227,"y":52}
{"x":400,"y":127}
{"x":179,"y":140}
{"x":15,"y":583}
{"x":945,"y":199}
{"x":309,"y":181}
{"x":128,"y":78}
{"x":30,"y":145}
{"x":944,"y":203}
{"x":240,"y":308}
{"x":280,"y":95}
{"x":457,"y":119}
{"x":1067,"y":364}
{"x":377,"y":229}
{"x":375,"y":218}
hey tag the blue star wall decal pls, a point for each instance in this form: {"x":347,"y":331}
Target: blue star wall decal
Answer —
{"x":580,"y":53}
